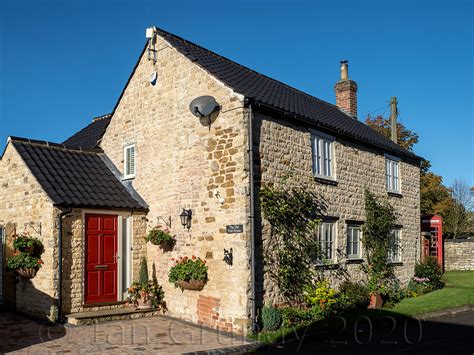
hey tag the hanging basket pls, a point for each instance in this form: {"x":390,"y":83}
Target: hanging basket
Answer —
{"x":194,"y":285}
{"x":27,"y":273}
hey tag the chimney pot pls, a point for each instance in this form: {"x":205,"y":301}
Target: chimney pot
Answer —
{"x":344,"y":70}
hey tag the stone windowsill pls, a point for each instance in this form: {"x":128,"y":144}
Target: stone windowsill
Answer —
{"x":322,"y":180}
{"x":396,"y":263}
{"x":355,"y":261}
{"x":327,"y":266}
{"x":394,"y":194}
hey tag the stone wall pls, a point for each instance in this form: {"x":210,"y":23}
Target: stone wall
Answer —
{"x":281,"y":148}
{"x":459,"y":254}
{"x":26,"y":208}
{"x":1,"y":264}
{"x":180,"y":160}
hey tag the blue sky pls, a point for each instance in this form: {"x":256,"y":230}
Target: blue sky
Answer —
{"x":64,"y":62}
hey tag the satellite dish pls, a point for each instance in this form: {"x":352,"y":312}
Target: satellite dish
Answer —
{"x":153,"y":77}
{"x":203,"y":106}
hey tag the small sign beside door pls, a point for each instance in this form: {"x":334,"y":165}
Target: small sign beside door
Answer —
{"x":234,"y":228}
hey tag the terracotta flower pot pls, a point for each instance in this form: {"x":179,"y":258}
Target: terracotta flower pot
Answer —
{"x":145,"y":304}
{"x":166,"y":246}
{"x":27,"y":273}
{"x":376,"y":301}
{"x":195,"y":285}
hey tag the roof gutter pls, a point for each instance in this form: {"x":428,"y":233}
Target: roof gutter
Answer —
{"x":60,"y":217}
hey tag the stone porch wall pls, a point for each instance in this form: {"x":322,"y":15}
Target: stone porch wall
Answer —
{"x":459,"y":254}
{"x":281,"y":148}
{"x":24,"y":207}
{"x":74,"y":256}
{"x":179,"y":162}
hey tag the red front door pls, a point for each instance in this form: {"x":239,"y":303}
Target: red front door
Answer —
{"x":101,"y":258}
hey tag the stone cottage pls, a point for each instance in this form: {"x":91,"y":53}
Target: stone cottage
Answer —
{"x":152,"y":157}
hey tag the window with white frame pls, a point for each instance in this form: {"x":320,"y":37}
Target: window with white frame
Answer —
{"x":392,"y":172}
{"x":323,"y":161}
{"x":129,"y":161}
{"x":326,"y":241}
{"x":394,"y":251}
{"x":354,"y":234}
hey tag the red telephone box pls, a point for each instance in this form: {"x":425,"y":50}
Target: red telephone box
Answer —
{"x":432,"y":237}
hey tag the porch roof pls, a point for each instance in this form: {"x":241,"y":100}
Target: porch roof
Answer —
{"x":74,"y":177}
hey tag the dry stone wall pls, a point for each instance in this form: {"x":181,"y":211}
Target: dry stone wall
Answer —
{"x":180,"y":162}
{"x":459,"y":254}
{"x":284,"y":151}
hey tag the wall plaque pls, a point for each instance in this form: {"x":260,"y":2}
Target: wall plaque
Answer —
{"x":234,"y":228}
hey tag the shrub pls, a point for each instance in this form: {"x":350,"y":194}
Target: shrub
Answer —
{"x":143,"y":272}
{"x":149,"y":291}
{"x":188,"y":269}
{"x":353,"y":296}
{"x":321,"y":294}
{"x":292,"y":316}
{"x":430,"y":269}
{"x":271,"y":318}
{"x":160,"y":236}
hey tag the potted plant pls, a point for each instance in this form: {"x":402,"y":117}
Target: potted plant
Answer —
{"x":188,"y":273}
{"x":162,"y":237}
{"x":145,"y":294}
{"x":26,"y":259}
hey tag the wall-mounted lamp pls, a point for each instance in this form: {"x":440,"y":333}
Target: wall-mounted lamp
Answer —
{"x":219,"y":197}
{"x":186,"y":217}
{"x":228,"y":256}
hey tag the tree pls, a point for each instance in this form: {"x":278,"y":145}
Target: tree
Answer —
{"x":435,"y":198}
{"x":457,"y":221}
{"x":405,"y":137}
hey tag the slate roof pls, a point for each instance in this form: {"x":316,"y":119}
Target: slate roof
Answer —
{"x":89,"y":136}
{"x":274,"y":94}
{"x":75,"y":177}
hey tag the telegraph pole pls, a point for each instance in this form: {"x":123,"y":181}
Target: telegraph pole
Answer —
{"x":393,"y":118}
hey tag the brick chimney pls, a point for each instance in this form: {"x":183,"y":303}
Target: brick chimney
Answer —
{"x":346,"y":92}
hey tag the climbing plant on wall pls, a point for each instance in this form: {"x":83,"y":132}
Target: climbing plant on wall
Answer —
{"x":290,"y":249}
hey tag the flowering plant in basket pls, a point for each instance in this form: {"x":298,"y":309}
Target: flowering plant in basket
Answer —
{"x":188,"y":273}
{"x":26,"y":258}
{"x":161,"y":236}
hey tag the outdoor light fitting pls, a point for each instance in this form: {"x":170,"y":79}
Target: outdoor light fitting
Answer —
{"x":186,"y":217}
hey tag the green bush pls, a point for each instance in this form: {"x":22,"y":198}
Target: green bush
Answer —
{"x":430,"y":269}
{"x":292,"y":316}
{"x":23,"y":261}
{"x":271,"y":318}
{"x":353,"y":296}
{"x":143,"y":272}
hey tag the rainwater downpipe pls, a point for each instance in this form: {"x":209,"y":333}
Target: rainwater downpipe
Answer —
{"x":253,"y":311}
{"x":60,"y":260}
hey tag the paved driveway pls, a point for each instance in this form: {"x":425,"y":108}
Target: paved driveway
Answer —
{"x":160,"y":335}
